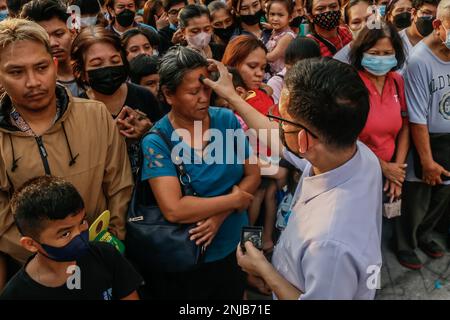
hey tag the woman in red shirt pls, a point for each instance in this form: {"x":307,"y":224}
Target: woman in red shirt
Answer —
{"x":247,"y":55}
{"x":377,"y":53}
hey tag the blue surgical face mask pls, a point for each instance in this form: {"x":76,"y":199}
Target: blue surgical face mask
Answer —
{"x":378,"y":65}
{"x":382,"y":10}
{"x":447,"y":38}
{"x":75,"y":249}
{"x":4,"y":14}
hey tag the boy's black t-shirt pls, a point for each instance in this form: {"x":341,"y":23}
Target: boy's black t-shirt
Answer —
{"x":104,"y":275}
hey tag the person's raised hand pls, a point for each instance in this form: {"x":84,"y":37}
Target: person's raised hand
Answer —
{"x":224,"y":85}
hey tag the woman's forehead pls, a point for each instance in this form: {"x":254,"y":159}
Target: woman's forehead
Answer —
{"x":192,"y":77}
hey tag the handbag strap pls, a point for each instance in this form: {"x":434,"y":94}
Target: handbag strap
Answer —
{"x":183,"y":176}
{"x":397,"y":89}
{"x":327,"y":43}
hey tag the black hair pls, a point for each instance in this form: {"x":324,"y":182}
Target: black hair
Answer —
{"x":217,"y":5}
{"x":367,"y":38}
{"x":88,"y":7}
{"x":141,"y":66}
{"x":309,"y":5}
{"x":301,"y":48}
{"x":287,"y":3}
{"x":152,"y":37}
{"x":44,"y":10}
{"x":350,"y":4}
{"x":391,"y":6}
{"x":167,"y":4}
{"x":175,"y":63}
{"x":416,"y":4}
{"x":329,"y":98}
{"x":192,"y":11}
{"x":14,"y":7}
{"x":41,"y":199}
{"x":110,"y":3}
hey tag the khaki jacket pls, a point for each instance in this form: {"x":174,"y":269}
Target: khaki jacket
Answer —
{"x":83,"y":146}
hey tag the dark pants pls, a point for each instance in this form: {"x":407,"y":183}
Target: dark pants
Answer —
{"x":218,"y":280}
{"x":422,"y":208}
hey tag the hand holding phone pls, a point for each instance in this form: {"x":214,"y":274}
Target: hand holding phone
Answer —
{"x":253,"y":234}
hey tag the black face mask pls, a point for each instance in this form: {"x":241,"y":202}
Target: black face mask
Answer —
{"x":252,"y":19}
{"x":328,"y":20}
{"x":107,"y":80}
{"x":424,"y":25}
{"x":296,"y":22}
{"x":284,"y":143}
{"x":126,"y":18}
{"x":402,"y":20}
{"x":224,"y":33}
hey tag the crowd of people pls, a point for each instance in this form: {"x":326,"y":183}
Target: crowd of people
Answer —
{"x":339,"y":114}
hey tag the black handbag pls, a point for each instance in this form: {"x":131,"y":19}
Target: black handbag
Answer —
{"x":152,"y":242}
{"x":440,"y":149}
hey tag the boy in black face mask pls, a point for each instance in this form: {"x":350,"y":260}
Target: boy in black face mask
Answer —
{"x":298,"y":17}
{"x":50,"y":214}
{"x":423,"y":13}
{"x":399,"y":13}
{"x":324,"y":17}
{"x":123,"y":13}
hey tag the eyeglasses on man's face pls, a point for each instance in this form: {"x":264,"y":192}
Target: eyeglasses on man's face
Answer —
{"x":281,"y":121}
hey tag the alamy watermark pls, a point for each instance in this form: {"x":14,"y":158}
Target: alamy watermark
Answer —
{"x":74,"y":280}
{"x":374,"y":280}
{"x":232,"y":146}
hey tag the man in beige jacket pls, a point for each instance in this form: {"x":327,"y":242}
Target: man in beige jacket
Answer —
{"x":44,"y":130}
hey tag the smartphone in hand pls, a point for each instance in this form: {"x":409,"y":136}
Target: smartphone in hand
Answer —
{"x":253,"y":234}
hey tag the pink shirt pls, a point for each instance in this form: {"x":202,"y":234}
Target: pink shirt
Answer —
{"x":386,"y":115}
{"x":278,"y":65}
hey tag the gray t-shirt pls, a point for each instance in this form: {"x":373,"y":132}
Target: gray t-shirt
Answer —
{"x":427,"y":90}
{"x":407,"y":45}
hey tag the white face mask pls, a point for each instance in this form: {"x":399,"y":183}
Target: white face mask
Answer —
{"x":200,"y":40}
{"x":88,"y":21}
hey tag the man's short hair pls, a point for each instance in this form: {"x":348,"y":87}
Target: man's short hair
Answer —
{"x":13,"y":30}
{"x":417,"y":4}
{"x":44,"y":199}
{"x":143,"y":66}
{"x":44,"y":10}
{"x":329,"y":98}
{"x":167,"y":4}
{"x":110,"y":3}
